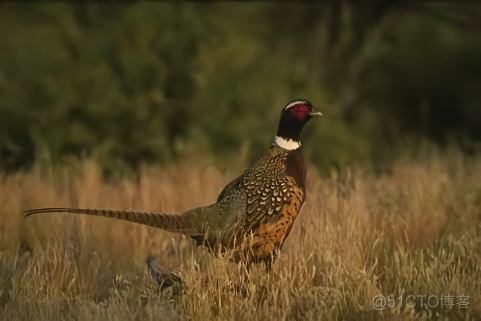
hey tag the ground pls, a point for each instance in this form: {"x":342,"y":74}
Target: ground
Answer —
{"x":414,"y":230}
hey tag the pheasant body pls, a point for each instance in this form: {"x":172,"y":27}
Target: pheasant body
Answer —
{"x":253,"y":214}
{"x":271,"y":200}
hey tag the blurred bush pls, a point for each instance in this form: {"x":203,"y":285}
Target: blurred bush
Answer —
{"x":131,"y":83}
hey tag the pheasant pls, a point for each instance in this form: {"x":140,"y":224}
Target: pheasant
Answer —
{"x":254,"y":214}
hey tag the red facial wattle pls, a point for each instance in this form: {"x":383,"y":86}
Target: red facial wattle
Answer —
{"x":300,"y":111}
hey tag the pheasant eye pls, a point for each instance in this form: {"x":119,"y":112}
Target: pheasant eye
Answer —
{"x":300,"y":111}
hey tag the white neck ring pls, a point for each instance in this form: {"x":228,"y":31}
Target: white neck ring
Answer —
{"x":288,"y":144}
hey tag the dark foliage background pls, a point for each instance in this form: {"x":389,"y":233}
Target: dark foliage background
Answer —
{"x":131,"y":83}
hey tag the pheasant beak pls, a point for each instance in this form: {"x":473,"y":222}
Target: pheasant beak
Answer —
{"x":315,"y":113}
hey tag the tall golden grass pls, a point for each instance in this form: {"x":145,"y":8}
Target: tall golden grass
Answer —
{"x":413,"y":231}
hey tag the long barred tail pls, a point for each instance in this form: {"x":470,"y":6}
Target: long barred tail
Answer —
{"x":172,"y":223}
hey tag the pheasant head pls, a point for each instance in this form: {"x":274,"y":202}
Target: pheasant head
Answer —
{"x":293,"y":118}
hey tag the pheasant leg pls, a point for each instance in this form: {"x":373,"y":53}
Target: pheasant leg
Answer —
{"x":168,"y":282}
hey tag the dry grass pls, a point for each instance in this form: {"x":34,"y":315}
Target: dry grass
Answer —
{"x":416,"y":231}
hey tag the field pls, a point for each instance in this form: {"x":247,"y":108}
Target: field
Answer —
{"x":413,"y":230}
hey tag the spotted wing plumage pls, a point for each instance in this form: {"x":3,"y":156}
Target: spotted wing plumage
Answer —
{"x":272,"y":201}
{"x":266,"y":185}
